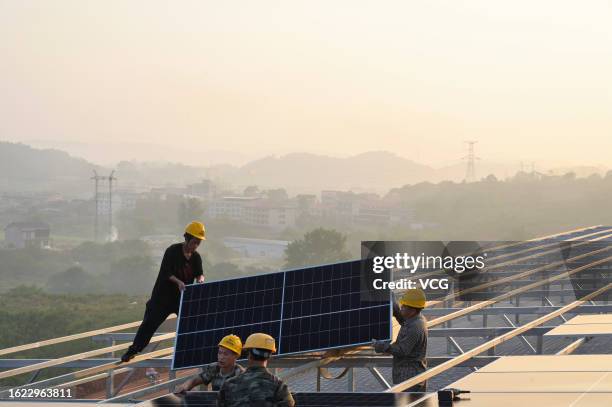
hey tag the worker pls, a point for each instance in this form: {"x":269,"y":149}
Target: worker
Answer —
{"x":410,"y":347}
{"x":256,"y":387}
{"x":180,"y":265}
{"x":230,"y":348}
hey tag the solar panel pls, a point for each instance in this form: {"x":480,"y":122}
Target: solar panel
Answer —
{"x":302,"y":399}
{"x":584,"y":325}
{"x":327,"y":307}
{"x":210,"y":311}
{"x":352,"y":399}
{"x":537,"y":380}
{"x":305,"y":310}
{"x":512,"y":399}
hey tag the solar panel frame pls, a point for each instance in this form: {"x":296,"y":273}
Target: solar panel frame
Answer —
{"x":384,"y":307}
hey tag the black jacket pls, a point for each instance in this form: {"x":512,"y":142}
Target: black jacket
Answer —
{"x":174,"y":263}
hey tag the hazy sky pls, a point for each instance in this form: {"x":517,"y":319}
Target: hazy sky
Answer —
{"x":529,"y":79}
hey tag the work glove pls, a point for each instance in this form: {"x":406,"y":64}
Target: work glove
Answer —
{"x":379,"y":346}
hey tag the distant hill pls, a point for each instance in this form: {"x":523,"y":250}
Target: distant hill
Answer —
{"x":30,"y":169}
{"x":134,"y":174}
{"x":112,"y":152}
{"x":310,"y":172}
{"x":372,"y":171}
{"x":24,"y":168}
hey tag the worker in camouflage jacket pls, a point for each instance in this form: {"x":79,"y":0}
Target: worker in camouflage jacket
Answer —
{"x":230,"y":349}
{"x":256,"y":387}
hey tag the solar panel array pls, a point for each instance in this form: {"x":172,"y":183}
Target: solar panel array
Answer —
{"x":302,"y":399}
{"x":304,"y":310}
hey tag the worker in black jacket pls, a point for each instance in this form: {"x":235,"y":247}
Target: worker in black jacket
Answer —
{"x":181,"y":265}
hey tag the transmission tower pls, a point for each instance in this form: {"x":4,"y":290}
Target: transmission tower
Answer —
{"x":470,"y":173}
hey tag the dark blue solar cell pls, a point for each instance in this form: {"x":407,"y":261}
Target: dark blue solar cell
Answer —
{"x":339,"y":329}
{"x":199,"y":348}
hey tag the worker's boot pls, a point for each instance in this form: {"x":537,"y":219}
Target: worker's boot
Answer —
{"x":129,"y":355}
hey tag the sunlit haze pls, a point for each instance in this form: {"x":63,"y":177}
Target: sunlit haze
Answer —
{"x":530,"y":80}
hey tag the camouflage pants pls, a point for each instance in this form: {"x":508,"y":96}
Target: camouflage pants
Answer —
{"x":403,"y":373}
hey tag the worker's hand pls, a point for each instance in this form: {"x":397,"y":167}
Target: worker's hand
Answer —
{"x":379,"y":346}
{"x":181,"y":285}
{"x":181,"y":389}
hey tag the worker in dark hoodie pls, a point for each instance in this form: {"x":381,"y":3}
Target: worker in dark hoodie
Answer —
{"x":181,"y":265}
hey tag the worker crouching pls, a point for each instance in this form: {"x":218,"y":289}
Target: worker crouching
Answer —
{"x":256,"y":387}
{"x":230,"y":349}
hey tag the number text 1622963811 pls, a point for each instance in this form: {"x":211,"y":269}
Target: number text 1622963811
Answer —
{"x":40,"y":393}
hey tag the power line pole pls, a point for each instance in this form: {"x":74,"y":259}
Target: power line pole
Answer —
{"x":99,"y":199}
{"x":470,"y":174}
{"x":97,"y":178}
{"x":111,"y":178}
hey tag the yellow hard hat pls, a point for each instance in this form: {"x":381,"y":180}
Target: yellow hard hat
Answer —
{"x":197,"y":230}
{"x":414,"y":298}
{"x":233,"y":343}
{"x":260,"y":341}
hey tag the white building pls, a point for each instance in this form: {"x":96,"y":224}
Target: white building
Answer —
{"x":20,"y":235}
{"x":261,"y":248}
{"x":230,"y":207}
{"x":269,"y":214}
{"x":255,"y":211}
{"x":205,"y":190}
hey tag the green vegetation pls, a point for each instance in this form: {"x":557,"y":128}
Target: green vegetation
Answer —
{"x":320,"y":246}
{"x":523,"y":207}
{"x":117,"y":267}
{"x":30,"y":266}
{"x":28,"y":314}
